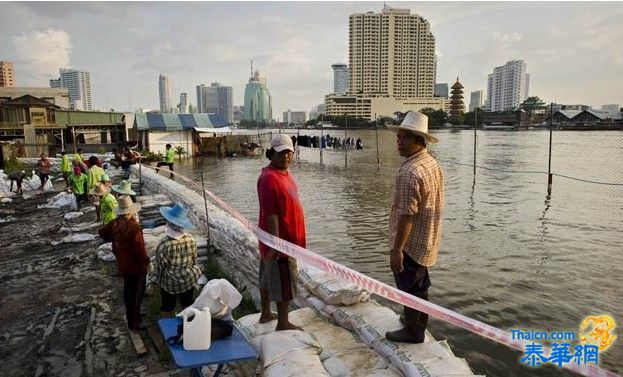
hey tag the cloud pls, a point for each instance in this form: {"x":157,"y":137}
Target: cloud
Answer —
{"x":42,"y":53}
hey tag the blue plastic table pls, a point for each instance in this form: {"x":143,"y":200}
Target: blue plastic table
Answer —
{"x":231,"y":349}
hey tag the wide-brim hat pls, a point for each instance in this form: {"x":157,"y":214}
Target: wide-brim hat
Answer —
{"x":178,"y":215}
{"x":105,"y":178}
{"x":124,"y":188}
{"x":99,"y":190}
{"x":126,"y":206}
{"x":416,"y":123}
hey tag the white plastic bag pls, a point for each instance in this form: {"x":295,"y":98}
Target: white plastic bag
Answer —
{"x":47,"y":187}
{"x":220,"y":296}
{"x":73,"y":215}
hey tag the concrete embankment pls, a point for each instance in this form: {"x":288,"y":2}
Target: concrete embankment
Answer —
{"x":338,"y":305}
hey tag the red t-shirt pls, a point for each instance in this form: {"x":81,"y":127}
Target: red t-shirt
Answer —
{"x":279,"y":196}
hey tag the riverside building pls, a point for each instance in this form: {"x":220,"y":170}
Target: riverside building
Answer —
{"x":391,"y":65}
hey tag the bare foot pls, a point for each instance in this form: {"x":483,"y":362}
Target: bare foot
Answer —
{"x":265,"y":318}
{"x":288,"y":326}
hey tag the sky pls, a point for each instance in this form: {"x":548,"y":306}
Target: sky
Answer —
{"x":573,"y":50}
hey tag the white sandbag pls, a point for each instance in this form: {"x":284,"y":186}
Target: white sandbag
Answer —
{"x":6,"y":200}
{"x":330,"y":289}
{"x":104,"y":252}
{"x":156,"y":232}
{"x":62,"y":199}
{"x":73,"y":215}
{"x":220,"y":296}
{"x":298,"y":363}
{"x":333,"y":340}
{"x":251,"y":329}
{"x":357,"y":362}
{"x":277,"y":345}
{"x":436,"y":366}
{"x":78,"y":237}
{"x":47,"y":187}
{"x":151,"y":243}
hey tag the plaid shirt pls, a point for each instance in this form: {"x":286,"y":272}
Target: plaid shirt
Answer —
{"x":418,"y":192}
{"x":174,"y":268}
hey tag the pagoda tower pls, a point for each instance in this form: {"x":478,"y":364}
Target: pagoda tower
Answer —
{"x":457,"y":107}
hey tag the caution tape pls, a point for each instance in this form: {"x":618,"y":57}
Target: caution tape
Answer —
{"x":386,"y":291}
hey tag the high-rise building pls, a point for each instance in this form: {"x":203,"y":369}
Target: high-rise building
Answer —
{"x":441,"y":90}
{"x":340,"y":78}
{"x":316,"y":111}
{"x":164,"y":90}
{"x":200,"y":100}
{"x":391,"y":54}
{"x":7,"y":77}
{"x":508,"y":86}
{"x":612,"y":107}
{"x":216,"y":99}
{"x":79,"y":85}
{"x":475,"y":100}
{"x":184,"y":105}
{"x":257,"y":101}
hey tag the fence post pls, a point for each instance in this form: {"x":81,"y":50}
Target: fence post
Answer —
{"x":475,"y":126}
{"x":344,"y":144}
{"x":320,"y":144}
{"x":549,"y":164}
{"x":376,"y":129}
{"x":205,"y":203}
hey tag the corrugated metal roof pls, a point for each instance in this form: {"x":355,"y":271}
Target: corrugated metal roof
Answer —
{"x":604,"y":114}
{"x":177,"y":122}
{"x":569,"y":113}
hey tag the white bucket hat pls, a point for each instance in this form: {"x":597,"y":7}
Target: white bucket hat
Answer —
{"x":417,"y":123}
{"x":281,"y":142}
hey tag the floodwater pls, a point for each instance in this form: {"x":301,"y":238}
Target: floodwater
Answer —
{"x":510,"y":256}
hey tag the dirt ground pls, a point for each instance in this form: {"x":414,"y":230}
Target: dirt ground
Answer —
{"x":61,"y":308}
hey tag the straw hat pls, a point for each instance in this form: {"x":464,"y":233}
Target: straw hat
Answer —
{"x":416,"y":123}
{"x":99,"y":190}
{"x":126,"y":206}
{"x":124,"y":188}
{"x":177,"y":215}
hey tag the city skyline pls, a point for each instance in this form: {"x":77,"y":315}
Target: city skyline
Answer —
{"x":295,"y":44}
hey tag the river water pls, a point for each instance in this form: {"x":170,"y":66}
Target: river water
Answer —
{"x":510,"y":256}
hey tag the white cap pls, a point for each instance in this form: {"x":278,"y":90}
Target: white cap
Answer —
{"x":281,"y":142}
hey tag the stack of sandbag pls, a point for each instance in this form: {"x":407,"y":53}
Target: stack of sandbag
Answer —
{"x":330,"y":289}
{"x":290,"y":353}
{"x":371,"y":321}
{"x":340,"y":353}
{"x":155,"y":200}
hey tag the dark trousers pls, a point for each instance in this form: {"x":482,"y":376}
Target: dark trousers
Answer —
{"x":133,"y":292}
{"x":163,"y":163}
{"x":169,"y":300}
{"x":414,"y":280}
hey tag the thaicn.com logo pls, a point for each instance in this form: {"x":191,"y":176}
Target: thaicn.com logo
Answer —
{"x":596,"y":334}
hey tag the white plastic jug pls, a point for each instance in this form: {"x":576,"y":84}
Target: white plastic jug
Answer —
{"x":197,"y":330}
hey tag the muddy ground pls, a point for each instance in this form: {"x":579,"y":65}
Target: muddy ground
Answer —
{"x":61,"y":308}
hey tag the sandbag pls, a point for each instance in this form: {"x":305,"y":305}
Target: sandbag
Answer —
{"x":104,"y":252}
{"x":331,"y":289}
{"x":47,"y":187}
{"x":78,"y":237}
{"x":357,"y":362}
{"x":278,"y":345}
{"x":62,"y":199}
{"x":73,"y":215}
{"x":298,"y":363}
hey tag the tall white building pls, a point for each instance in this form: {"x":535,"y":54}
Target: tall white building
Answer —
{"x":475,"y":100}
{"x":216,"y":99}
{"x":79,"y":85}
{"x":295,"y":117}
{"x":340,"y":78}
{"x":164,"y":90}
{"x":391,"y":54}
{"x":508,"y":86}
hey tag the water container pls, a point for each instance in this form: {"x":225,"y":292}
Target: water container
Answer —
{"x":197,"y":330}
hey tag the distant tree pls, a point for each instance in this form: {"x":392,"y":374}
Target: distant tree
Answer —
{"x":179,"y":151}
{"x":436,"y":118}
{"x":532,"y":104}
{"x":468,"y":118}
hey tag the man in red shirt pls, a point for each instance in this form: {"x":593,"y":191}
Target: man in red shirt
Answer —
{"x":281,"y":214}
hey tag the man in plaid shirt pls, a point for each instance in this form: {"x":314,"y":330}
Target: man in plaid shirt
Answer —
{"x":415,"y":221}
{"x":175,"y":268}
